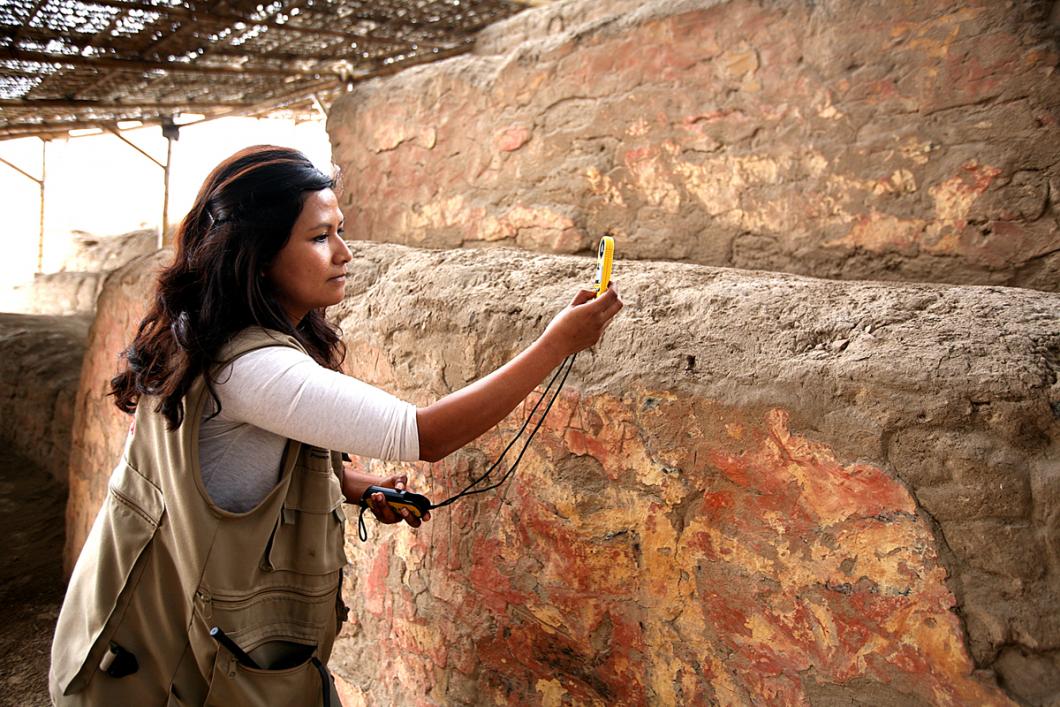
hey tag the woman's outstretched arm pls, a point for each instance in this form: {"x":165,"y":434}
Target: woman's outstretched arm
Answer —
{"x":460,"y":417}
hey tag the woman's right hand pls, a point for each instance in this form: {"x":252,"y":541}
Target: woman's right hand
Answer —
{"x":583,"y":321}
{"x":461,"y":416}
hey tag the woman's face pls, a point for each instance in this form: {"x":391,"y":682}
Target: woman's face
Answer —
{"x":310,"y":270}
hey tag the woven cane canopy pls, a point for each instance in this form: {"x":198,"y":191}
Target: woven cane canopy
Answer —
{"x":67,"y":64}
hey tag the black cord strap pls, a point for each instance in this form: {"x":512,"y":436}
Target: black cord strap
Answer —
{"x":470,"y":489}
{"x":325,"y":681}
{"x":362,"y":529}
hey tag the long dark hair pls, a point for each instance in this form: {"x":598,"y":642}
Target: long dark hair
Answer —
{"x":240,"y":220}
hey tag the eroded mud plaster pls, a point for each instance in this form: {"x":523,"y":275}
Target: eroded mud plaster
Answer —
{"x":40,"y":365}
{"x":758,"y":488}
{"x":851,"y":140}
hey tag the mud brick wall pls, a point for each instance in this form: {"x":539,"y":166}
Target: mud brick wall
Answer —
{"x":88,"y":252}
{"x":75,"y":287}
{"x":40,"y":366}
{"x":758,"y":489}
{"x":852,"y":140}
{"x":99,"y":427}
{"x":58,"y":293}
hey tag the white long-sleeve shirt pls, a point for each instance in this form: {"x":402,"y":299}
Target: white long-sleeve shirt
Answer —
{"x":277,"y":393}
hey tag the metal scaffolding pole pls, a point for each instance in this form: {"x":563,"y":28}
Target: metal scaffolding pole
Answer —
{"x":40,"y":184}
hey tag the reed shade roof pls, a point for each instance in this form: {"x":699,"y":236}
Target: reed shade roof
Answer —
{"x":67,"y":64}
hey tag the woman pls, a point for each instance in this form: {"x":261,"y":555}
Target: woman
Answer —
{"x":212,"y":574}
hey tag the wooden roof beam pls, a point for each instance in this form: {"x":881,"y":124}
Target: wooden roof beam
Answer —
{"x":141,"y":65}
{"x":54,"y":129}
{"x":88,"y":104}
{"x":43,"y":37}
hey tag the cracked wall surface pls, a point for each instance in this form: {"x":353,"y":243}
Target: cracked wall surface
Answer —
{"x":757,"y":489}
{"x":851,"y":140}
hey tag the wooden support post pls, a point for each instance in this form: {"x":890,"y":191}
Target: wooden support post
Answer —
{"x":171,"y":131}
{"x":40,"y":184}
{"x":319,"y":105}
{"x":43,"y":176}
{"x":166,"y":238}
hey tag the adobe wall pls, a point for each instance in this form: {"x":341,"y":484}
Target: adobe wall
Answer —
{"x":40,"y":367}
{"x":851,"y":140}
{"x":759,"y":488}
{"x":59,"y":293}
{"x":73,"y":289}
{"x":87,"y":252}
{"x":99,"y":427}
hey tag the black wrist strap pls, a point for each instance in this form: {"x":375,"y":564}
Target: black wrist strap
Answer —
{"x":561,"y":375}
{"x":362,"y":529}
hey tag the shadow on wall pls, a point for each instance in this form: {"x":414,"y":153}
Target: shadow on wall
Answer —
{"x":40,"y":368}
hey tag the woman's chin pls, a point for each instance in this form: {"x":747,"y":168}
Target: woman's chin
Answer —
{"x":337,"y":297}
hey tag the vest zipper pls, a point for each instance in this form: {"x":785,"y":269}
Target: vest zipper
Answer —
{"x":243,"y":601}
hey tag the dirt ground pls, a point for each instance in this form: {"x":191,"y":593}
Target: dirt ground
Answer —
{"x":32,"y":507}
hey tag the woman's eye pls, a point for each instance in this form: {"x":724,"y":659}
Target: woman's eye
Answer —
{"x":321,"y":238}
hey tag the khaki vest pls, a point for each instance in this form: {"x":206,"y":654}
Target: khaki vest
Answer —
{"x":163,"y":565}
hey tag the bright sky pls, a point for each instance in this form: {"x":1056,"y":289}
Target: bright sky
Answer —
{"x":100,"y":185}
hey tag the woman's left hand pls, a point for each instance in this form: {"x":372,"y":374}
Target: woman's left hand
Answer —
{"x":383,"y":511}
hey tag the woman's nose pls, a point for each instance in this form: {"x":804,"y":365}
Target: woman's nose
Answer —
{"x":342,"y":253}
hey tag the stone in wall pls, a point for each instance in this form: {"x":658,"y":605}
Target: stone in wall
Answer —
{"x":757,"y":489}
{"x":852,"y":140}
{"x":40,"y":367}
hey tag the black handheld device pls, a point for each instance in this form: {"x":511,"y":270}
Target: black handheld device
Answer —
{"x":415,"y":503}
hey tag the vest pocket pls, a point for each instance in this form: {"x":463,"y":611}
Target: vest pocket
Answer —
{"x":105,"y":576}
{"x":309,"y":534}
{"x":233,"y":683}
{"x":278,"y":625}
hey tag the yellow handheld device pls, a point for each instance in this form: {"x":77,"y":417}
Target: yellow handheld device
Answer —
{"x":604,"y":255}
